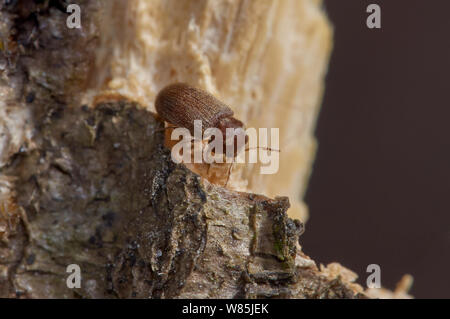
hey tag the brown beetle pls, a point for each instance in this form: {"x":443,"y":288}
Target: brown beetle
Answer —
{"x":181,"y":104}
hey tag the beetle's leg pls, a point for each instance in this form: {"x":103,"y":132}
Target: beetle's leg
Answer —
{"x":229,"y":173}
{"x":263,"y":148}
{"x":164,"y":129}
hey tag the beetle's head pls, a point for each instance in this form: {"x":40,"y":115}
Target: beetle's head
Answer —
{"x":238,"y":133}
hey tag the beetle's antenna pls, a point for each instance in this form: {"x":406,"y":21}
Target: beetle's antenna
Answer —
{"x":263,"y":148}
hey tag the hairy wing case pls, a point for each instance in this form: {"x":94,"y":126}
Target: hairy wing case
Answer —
{"x":181,"y":104}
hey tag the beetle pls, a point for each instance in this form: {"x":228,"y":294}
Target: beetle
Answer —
{"x":181,"y":104}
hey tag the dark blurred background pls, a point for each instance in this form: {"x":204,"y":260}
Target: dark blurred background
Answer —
{"x":380,"y":189}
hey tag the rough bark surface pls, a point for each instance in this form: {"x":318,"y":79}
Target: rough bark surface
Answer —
{"x":100,"y":190}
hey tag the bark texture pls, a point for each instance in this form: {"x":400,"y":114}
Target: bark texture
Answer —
{"x":100,"y":190}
